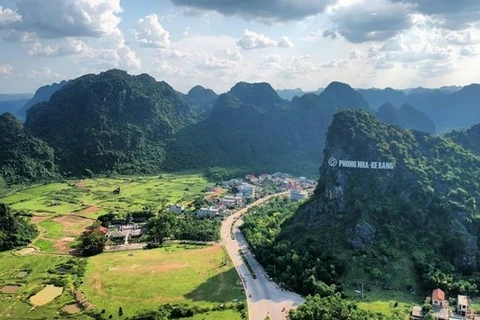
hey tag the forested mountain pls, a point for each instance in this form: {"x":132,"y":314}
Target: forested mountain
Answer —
{"x":251,"y":126}
{"x":409,"y":228}
{"x":110,"y":122}
{"x":406,"y":117}
{"x":448,"y":109}
{"x":24,"y":157}
{"x":468,"y":139}
{"x":200,"y":99}
{"x":43,"y":94}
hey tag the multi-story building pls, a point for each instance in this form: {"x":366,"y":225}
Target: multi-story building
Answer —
{"x":297,"y":194}
{"x":211,"y":212}
{"x":247,"y":190}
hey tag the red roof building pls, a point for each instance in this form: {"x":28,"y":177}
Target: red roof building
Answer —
{"x":438,"y":295}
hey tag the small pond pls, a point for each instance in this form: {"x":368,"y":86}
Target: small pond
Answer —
{"x":47,"y":295}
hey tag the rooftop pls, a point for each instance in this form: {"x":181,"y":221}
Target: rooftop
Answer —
{"x":438,"y":294}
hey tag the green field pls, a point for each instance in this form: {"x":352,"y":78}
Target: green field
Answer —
{"x":16,"y":306}
{"x":62,"y":211}
{"x":94,"y":197}
{"x":173,"y":274}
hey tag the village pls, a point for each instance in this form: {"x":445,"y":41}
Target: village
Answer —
{"x":438,"y":307}
{"x":218,"y":202}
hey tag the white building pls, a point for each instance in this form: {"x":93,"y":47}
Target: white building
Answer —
{"x":247,"y":190}
{"x":208,"y":212}
{"x":298,"y":194}
{"x":231,"y":201}
{"x":177,"y":208}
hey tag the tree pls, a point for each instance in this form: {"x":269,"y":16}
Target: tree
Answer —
{"x":120,"y":311}
{"x":162,"y":227}
{"x":15,"y":230}
{"x":93,"y":242}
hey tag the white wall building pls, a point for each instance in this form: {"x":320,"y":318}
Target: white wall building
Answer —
{"x":177,"y":208}
{"x":298,"y":194}
{"x":247,"y":190}
{"x":231,"y":201}
{"x":208,"y":212}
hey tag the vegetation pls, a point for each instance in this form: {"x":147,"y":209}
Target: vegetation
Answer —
{"x":39,"y":271}
{"x":125,"y":119}
{"x":95,"y":197}
{"x":175,"y":274}
{"x":92,"y":241}
{"x":15,"y":230}
{"x":24,"y":157}
{"x":169,"y":225}
{"x":406,"y":230}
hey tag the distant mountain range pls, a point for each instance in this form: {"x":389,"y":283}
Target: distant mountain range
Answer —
{"x":116,"y":122}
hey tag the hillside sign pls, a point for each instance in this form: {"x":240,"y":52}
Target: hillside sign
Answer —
{"x":373,"y":165}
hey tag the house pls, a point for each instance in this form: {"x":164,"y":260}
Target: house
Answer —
{"x":463,"y":306}
{"x":208,"y":212}
{"x":177,"y":208}
{"x":251,"y":178}
{"x":417,"y":313}
{"x":440,"y":307}
{"x":438,"y":298}
{"x":297,"y":194}
{"x":264,"y":177}
{"x":231,"y":201}
{"x":247,"y":190}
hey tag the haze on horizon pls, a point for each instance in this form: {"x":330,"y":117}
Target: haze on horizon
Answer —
{"x":290,"y":44}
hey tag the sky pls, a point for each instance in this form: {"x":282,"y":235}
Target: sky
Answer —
{"x":217,"y":43}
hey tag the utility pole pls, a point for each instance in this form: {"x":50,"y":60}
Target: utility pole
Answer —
{"x":362,"y":290}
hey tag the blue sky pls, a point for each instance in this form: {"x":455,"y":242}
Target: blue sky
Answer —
{"x":216,"y":43}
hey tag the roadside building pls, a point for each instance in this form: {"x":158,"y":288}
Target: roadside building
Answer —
{"x":264,"y":177}
{"x":247,"y":190}
{"x":177,"y":208}
{"x":251,"y":178}
{"x":231,"y":201}
{"x":208,"y":212}
{"x":297,"y":194}
{"x":417,"y":313}
{"x":463,"y":306}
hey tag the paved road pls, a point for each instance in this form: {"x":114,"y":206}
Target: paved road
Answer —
{"x":264,"y":297}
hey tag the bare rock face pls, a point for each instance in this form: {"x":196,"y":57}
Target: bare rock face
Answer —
{"x":363,"y":236}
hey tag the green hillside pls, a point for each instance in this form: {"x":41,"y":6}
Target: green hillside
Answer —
{"x":110,"y":122}
{"x":407,"y":230}
{"x":24,"y":157}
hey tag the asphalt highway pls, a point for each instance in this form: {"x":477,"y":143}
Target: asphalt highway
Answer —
{"x":264,"y":297}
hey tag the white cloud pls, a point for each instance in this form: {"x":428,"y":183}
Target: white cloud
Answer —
{"x":5,"y":69}
{"x":69,"y":46}
{"x":299,"y":65}
{"x":270,"y":61}
{"x":45,"y":73}
{"x":165,"y":68}
{"x":222,"y":59}
{"x":252,"y":40}
{"x":67,"y":18}
{"x":151,"y":34}
{"x":336,"y":63}
{"x":8,"y":17}
{"x":285,"y":42}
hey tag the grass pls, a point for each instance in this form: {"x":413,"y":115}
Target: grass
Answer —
{"x":215,"y":315}
{"x":53,"y":230}
{"x":16,"y":305}
{"x":93,"y":197}
{"x":386,"y":303}
{"x":63,"y":210}
{"x":45,"y":245}
{"x":173,"y":274}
